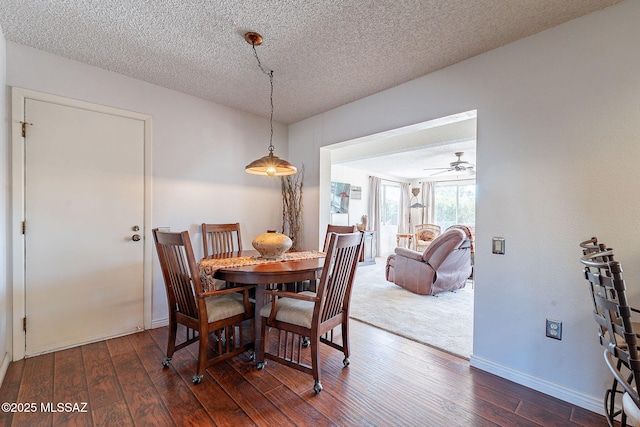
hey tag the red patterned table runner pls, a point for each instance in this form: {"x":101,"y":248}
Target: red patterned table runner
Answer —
{"x":209,"y":266}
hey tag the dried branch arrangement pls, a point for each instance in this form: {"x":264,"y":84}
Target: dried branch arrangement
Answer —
{"x":292,"y":208}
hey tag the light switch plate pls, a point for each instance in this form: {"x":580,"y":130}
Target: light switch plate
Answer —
{"x":497,"y":246}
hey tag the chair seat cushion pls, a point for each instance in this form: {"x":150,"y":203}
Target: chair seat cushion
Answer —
{"x":631,"y":410}
{"x":224,"y":306}
{"x":291,"y":310}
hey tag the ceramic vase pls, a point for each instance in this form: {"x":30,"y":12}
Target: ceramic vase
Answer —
{"x":271,"y":245}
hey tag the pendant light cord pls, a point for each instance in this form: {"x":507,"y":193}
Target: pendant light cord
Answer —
{"x":270,"y":74}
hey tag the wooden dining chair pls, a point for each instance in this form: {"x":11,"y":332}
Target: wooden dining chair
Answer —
{"x":221,"y":238}
{"x":616,"y":331}
{"x":313,"y":315}
{"x":312,"y":285}
{"x":341,"y":229}
{"x":202,"y":313}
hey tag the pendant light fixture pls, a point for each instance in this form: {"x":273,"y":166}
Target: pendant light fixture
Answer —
{"x":415,"y":191}
{"x":269,"y":165}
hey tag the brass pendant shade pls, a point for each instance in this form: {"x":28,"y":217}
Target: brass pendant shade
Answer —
{"x":268,"y":165}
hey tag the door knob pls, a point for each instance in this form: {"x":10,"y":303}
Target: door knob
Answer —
{"x":135,"y":237}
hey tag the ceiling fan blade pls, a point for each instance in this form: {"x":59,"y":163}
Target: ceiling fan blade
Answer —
{"x":435,"y":169}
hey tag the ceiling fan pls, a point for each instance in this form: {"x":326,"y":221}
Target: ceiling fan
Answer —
{"x":458,"y":166}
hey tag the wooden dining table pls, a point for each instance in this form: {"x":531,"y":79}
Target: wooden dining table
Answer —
{"x":263,"y":273}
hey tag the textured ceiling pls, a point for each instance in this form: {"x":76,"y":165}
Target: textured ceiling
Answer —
{"x":324,"y":53}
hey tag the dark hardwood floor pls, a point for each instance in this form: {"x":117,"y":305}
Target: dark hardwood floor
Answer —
{"x":391,"y":382}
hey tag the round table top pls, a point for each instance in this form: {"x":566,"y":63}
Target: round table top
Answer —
{"x":288,"y":271}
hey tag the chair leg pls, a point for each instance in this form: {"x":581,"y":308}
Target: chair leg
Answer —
{"x":264,"y":343}
{"x":254,"y":350}
{"x":610,"y":403}
{"x":345,"y":342}
{"x":610,"y":400}
{"x":315,"y":364}
{"x":171,"y":341}
{"x":202,"y":357}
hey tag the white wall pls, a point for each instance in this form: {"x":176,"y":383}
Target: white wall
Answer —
{"x":5,"y":297}
{"x":199,"y":149}
{"x":557,"y":162}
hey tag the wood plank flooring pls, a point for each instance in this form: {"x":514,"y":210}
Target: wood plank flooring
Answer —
{"x":391,"y":381}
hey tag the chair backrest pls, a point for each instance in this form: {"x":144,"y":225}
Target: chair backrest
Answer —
{"x":612,"y":312}
{"x":468,"y":231}
{"x":597,"y":256}
{"x":592,"y":245}
{"x":179,"y":269}
{"x":336,"y":281}
{"x":426,"y":232}
{"x":221,"y":238}
{"x":444,"y":245}
{"x":341,"y":229}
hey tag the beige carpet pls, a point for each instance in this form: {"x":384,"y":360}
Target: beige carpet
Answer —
{"x":444,"y":321}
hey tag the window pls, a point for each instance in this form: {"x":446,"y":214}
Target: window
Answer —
{"x":455,"y":203}
{"x":389,"y":203}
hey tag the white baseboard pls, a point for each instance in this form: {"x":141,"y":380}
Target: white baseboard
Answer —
{"x":593,"y":404}
{"x":159,"y":323}
{"x":4,"y":365}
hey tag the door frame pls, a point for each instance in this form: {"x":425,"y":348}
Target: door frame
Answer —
{"x":18,"y":96}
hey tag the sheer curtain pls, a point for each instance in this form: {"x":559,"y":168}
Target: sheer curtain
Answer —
{"x":429,"y":200}
{"x":374,"y":209}
{"x":403,"y":208}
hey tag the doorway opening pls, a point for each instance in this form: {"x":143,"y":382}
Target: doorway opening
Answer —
{"x":405,"y":159}
{"x":410,"y":155}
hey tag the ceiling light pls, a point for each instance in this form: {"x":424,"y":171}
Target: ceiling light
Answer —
{"x":269,"y":165}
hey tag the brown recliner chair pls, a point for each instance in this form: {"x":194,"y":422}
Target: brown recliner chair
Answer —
{"x":444,"y":266}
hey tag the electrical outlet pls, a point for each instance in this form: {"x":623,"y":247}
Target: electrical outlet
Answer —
{"x":554,"y":329}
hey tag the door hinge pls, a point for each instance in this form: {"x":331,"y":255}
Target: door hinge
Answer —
{"x":24,"y":324}
{"x":24,"y":128}
{"x":24,"y":227}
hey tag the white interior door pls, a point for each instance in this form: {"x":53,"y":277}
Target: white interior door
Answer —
{"x":84,"y":195}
